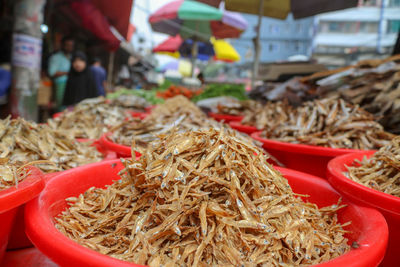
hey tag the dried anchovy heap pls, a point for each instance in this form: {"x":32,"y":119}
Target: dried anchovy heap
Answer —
{"x":90,"y":118}
{"x":23,"y":141}
{"x":238,"y":108}
{"x":382,"y":171}
{"x":203,"y":198}
{"x":131,"y":101}
{"x":176,"y":112}
{"x":268,"y":116}
{"x":329,"y":123}
{"x":11,"y":174}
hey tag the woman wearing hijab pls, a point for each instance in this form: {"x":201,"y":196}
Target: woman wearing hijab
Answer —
{"x":80,"y":83}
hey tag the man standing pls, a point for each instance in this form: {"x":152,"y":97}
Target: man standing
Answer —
{"x":59,"y":65}
{"x":100,"y":76}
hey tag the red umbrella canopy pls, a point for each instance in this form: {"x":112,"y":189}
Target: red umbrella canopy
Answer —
{"x":171,"y":45}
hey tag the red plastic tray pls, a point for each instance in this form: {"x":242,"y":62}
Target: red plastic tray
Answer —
{"x":305,"y":158}
{"x":243,"y":128}
{"x":30,"y":257}
{"x":224,"y":117}
{"x":387,"y":204}
{"x":10,"y":201}
{"x":121,"y":150}
{"x":368,"y":227}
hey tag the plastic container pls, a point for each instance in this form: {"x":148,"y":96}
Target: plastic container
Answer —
{"x":30,"y":257}
{"x":305,"y":158}
{"x":11,"y":199}
{"x":224,"y":117}
{"x":368,"y":226}
{"x":243,"y":128}
{"x":120,"y":150}
{"x":387,"y":204}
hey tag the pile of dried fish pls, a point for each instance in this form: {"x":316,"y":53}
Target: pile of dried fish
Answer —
{"x":23,"y":141}
{"x":203,"y":198}
{"x":374,"y":85}
{"x":268,"y":116}
{"x":329,"y":123}
{"x":11,"y":174}
{"x":380,"y":172}
{"x":134,"y":102}
{"x":89,"y":119}
{"x":242,"y":108}
{"x":176,"y":112}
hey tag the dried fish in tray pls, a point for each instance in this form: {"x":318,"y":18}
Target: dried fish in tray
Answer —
{"x":203,"y":198}
{"x":268,"y":116}
{"x":89,"y":119}
{"x":12,"y":174}
{"x":380,"y":172}
{"x":176,"y":112}
{"x":328,"y":123}
{"x":24,"y":141}
{"x":131,"y":101}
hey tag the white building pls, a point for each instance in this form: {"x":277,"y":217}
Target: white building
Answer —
{"x":369,"y":30}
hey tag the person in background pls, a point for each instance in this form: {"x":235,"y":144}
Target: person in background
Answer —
{"x":80,"y":83}
{"x":59,"y":66}
{"x":100,"y":76}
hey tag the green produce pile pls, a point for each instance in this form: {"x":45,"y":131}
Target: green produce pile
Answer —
{"x":149,"y":95}
{"x":215,"y":90}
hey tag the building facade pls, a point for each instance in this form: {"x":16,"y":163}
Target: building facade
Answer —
{"x":367,"y":31}
{"x":279,"y":39}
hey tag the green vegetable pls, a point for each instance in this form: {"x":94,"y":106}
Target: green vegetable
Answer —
{"x":214,"y":90}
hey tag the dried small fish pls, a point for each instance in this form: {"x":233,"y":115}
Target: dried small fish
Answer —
{"x":178,"y":112}
{"x":90,"y":119}
{"x":217,"y":203}
{"x":11,"y":174}
{"x":24,"y":141}
{"x":380,"y":172}
{"x":327,"y":122}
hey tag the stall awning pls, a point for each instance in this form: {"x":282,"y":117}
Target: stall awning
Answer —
{"x":118,"y":14}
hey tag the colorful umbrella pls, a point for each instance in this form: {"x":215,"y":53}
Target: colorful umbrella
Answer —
{"x":195,"y":20}
{"x":216,"y":49}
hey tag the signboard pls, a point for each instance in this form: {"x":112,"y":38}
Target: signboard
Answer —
{"x":27,"y":51}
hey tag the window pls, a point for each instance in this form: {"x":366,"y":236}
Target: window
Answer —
{"x":393,"y":26}
{"x":369,"y":2}
{"x":274,"y":28}
{"x":394,"y":3}
{"x":297,"y":46}
{"x":369,"y":27}
{"x":273,"y":47}
{"x":334,"y":27}
{"x":298,"y":28}
{"x":339,"y":27}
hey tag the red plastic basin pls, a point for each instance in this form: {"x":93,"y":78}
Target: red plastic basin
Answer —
{"x":305,"y":158}
{"x":387,"y":204}
{"x":368,"y":226}
{"x":243,"y":128}
{"x":224,"y":117}
{"x":121,"y":150}
{"x":11,"y":199}
{"x":30,"y":257}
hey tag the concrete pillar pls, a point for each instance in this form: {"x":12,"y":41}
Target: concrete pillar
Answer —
{"x":26,"y":58}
